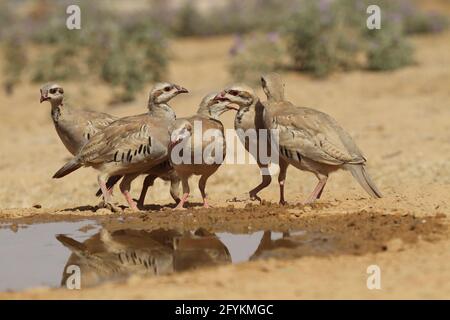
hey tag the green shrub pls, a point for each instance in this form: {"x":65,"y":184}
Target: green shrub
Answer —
{"x":320,"y":39}
{"x":133,"y":57}
{"x":254,"y":55}
{"x":324,"y":36}
{"x":388,"y":49}
{"x":425,"y":22}
{"x":60,"y":63}
{"x":233,"y":16}
{"x":14,"y":53}
{"x":188,"y":21}
{"x":6,"y":18}
{"x":125,"y":52}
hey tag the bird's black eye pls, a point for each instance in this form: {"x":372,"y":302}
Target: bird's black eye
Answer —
{"x":53,"y":90}
{"x":167,"y":89}
{"x":233,"y":92}
{"x":61,"y":90}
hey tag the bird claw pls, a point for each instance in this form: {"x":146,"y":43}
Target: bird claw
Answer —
{"x":254,"y":197}
{"x":245,"y":198}
{"x":109,"y":206}
{"x":139,"y":205}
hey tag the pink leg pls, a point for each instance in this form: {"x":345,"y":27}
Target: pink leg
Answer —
{"x":317,"y":190}
{"x":130,"y":200}
{"x":180,"y":205}
{"x":202,"y":187}
{"x":125,"y":185}
{"x":185,"y":183}
{"x":105,"y":191}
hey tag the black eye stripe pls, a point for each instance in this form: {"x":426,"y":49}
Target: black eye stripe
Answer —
{"x":55,"y":90}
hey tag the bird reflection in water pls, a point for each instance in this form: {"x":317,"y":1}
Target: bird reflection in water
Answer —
{"x":116,"y":255}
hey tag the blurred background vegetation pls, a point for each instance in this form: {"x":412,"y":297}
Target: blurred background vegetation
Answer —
{"x":125,"y":44}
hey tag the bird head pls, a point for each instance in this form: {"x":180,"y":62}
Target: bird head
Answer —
{"x":162,"y":92}
{"x":273,"y":86}
{"x":215,"y":107}
{"x":238,"y":94}
{"x":181,"y":130}
{"x":52,"y":92}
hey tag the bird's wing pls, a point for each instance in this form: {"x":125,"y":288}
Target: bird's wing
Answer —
{"x":309,"y":133}
{"x":129,"y":140}
{"x":96,"y":121}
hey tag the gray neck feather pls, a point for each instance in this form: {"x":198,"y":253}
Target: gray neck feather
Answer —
{"x":161,"y":110}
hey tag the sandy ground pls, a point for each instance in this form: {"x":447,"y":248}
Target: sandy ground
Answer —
{"x":401,"y":120}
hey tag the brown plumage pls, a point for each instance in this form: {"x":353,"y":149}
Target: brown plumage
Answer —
{"x":74,"y":126}
{"x":115,"y":255}
{"x":188,"y":135}
{"x":130,"y":146}
{"x":309,"y":139}
{"x":251,"y":117}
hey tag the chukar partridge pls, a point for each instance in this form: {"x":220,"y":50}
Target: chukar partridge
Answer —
{"x":115,"y":255}
{"x":200,"y":155}
{"x":74,"y":126}
{"x":110,"y":256}
{"x":251,"y":117}
{"x":129,"y":146}
{"x":308,"y":139}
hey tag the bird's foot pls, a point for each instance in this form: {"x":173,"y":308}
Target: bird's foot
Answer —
{"x":180,"y":206}
{"x":283,"y":203}
{"x":254,"y":197}
{"x":139,"y":204}
{"x":245,"y":198}
{"x":110,"y":206}
{"x":206,"y":205}
{"x":308,"y":201}
{"x":133,"y":206}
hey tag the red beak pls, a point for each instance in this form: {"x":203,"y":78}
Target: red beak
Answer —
{"x":220,"y":96}
{"x":182,"y":90}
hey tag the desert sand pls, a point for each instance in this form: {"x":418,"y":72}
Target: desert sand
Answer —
{"x":401,"y":120}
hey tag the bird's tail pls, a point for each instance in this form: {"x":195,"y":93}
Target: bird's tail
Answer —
{"x":362,"y":176}
{"x":111,"y":182}
{"x":69,"y":167}
{"x":73,"y":245}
